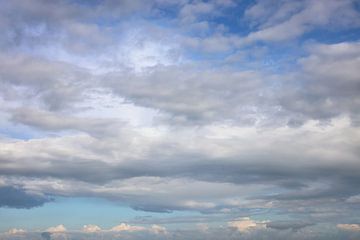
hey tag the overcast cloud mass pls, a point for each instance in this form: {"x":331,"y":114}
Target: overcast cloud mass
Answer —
{"x":185,"y":119}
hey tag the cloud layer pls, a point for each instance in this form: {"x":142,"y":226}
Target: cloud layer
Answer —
{"x":217,"y":107}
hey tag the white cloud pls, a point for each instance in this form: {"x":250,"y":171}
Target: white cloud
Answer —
{"x":157,"y":229}
{"x":91,"y":228}
{"x":203,"y":227}
{"x":127,"y":227}
{"x":354,"y":199}
{"x":349,"y":227}
{"x":246,"y":224}
{"x":57,"y":229}
{"x":16,"y":231}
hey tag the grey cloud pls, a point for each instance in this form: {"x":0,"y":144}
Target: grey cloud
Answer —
{"x":18,"y":198}
{"x":56,"y":83}
{"x":46,"y":235}
{"x":284,"y":225}
{"x":180,"y":164}
{"x":55,"y":122}
{"x":68,"y":29}
{"x":319,"y":90}
{"x":330,"y":83}
{"x":192,"y":95}
{"x":132,"y":156}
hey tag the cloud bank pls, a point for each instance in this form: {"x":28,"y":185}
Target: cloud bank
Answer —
{"x":222,"y":108}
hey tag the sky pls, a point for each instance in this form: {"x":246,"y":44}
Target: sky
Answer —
{"x":179,"y":119}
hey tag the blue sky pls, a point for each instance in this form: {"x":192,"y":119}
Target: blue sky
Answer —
{"x":180,"y":119}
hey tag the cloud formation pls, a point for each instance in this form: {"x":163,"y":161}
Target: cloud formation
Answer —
{"x":14,"y":197}
{"x":349,"y":227}
{"x":246,"y":113}
{"x":211,"y":233}
{"x":246,"y":224}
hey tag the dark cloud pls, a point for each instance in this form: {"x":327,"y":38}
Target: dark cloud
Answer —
{"x":18,"y":198}
{"x":284,"y":225}
{"x":46,"y":235}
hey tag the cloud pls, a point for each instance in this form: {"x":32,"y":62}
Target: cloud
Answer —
{"x":14,"y":197}
{"x":127,"y":227}
{"x":223,"y":108}
{"x":193,"y":11}
{"x":329,"y":78}
{"x":214,"y":232}
{"x":349,"y":227}
{"x":220,"y":164}
{"x":246,"y":224}
{"x":50,"y":121}
{"x":284,"y":225}
{"x":91,"y":228}
{"x":40,"y":81}
{"x":160,"y":90}
{"x":354,"y":199}
{"x":189,"y":12}
{"x":157,"y":229}
{"x":292,"y":19}
{"x":16,"y":231}
{"x":46,"y":236}
{"x":203,"y":227}
{"x":57,"y":229}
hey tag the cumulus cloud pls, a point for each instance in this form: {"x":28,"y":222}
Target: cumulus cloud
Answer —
{"x":212,"y":233}
{"x":127,"y":227}
{"x":349,"y":227}
{"x":91,"y":228}
{"x":157,"y":229}
{"x":57,"y":229}
{"x":246,"y":224}
{"x":16,"y":231}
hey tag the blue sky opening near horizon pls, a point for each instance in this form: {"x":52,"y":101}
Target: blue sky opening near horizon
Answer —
{"x":76,"y":212}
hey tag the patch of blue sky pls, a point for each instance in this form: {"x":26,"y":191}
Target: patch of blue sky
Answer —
{"x":20,"y":132}
{"x":208,"y":57}
{"x":331,"y":36}
{"x":23,"y":132}
{"x":275,"y":58}
{"x":73,"y":213}
{"x":233,"y":18}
